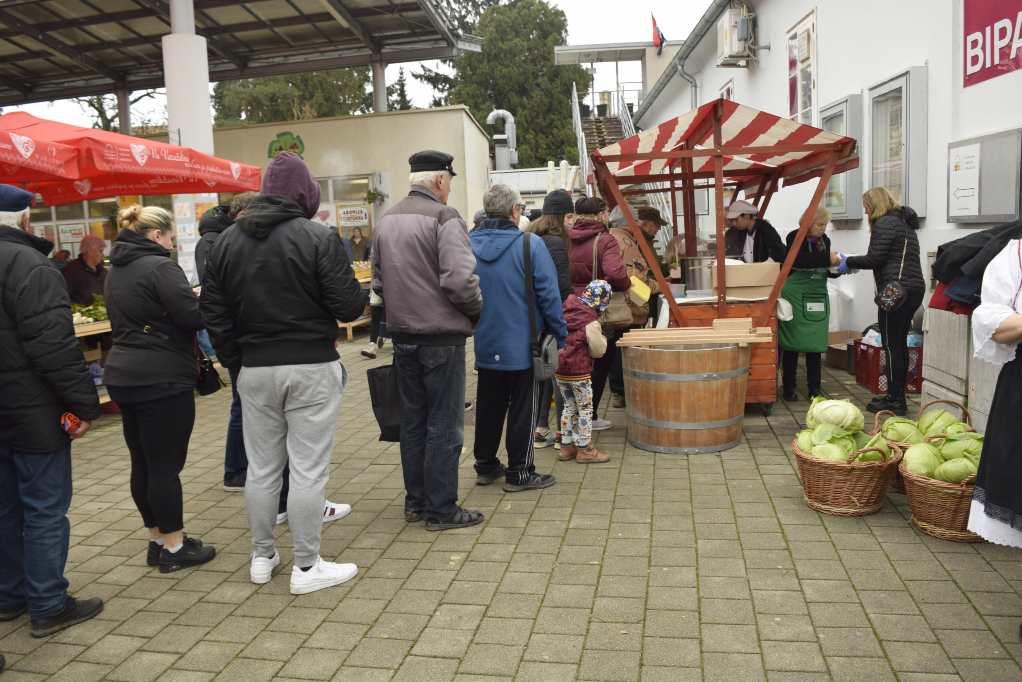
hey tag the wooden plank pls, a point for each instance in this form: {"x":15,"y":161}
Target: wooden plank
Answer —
{"x":683,"y":340}
{"x":736,"y":324}
{"x":92,"y":329}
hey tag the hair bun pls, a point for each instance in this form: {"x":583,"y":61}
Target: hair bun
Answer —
{"x":127,"y":218}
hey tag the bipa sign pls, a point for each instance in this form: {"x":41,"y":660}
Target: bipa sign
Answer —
{"x":992,"y":39}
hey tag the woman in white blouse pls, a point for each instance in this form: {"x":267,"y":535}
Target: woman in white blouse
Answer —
{"x":996,"y":512}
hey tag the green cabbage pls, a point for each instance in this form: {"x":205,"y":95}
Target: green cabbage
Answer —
{"x":847,"y":443}
{"x":955,"y":470}
{"x":870,"y":456}
{"x":901,"y":430}
{"x":826,"y":433}
{"x":840,"y":413}
{"x":935,"y":422}
{"x":805,"y":440}
{"x":922,"y":459}
{"x":953,"y":448}
{"x":878,"y":441}
{"x":861,"y":439}
{"x":830,"y":451}
{"x":957,"y":429}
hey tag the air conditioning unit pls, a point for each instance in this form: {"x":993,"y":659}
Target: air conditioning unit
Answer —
{"x":735,"y":38}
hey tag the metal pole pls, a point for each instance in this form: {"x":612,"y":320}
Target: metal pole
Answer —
{"x":379,"y":86}
{"x":124,"y":111}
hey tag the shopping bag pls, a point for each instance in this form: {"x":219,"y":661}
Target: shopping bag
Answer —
{"x":386,"y":400}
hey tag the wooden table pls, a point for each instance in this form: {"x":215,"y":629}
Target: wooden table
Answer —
{"x":92,"y":329}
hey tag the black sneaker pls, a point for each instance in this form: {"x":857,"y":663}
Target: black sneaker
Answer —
{"x":75,"y":611}
{"x":152,"y":554}
{"x":491,"y":477}
{"x":413,"y":515}
{"x":234,"y":483}
{"x":533,"y":481}
{"x":462,"y":518}
{"x":11,"y":614}
{"x":192,"y":553}
{"x":790,"y":397}
{"x":878,"y":403}
{"x":888,"y":403}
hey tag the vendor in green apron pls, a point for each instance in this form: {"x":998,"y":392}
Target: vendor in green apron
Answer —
{"x":806,"y":291}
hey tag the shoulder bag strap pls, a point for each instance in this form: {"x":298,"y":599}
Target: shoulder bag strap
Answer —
{"x":904,"y":250}
{"x":596,"y":260}
{"x":529,"y":293}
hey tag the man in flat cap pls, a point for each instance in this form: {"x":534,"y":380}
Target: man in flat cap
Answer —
{"x":424,"y":269}
{"x":751,"y":238}
{"x":42,"y":376}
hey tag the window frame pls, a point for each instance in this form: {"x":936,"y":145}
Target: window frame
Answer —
{"x":913,"y":83}
{"x":807,"y":22}
{"x":850,"y":107}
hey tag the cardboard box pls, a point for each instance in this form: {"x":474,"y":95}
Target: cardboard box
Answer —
{"x":749,"y":280}
{"x":841,"y":350}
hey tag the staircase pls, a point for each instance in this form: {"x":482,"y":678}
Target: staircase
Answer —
{"x":600,"y":132}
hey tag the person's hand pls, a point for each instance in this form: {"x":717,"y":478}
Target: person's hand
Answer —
{"x":81,"y":430}
{"x":842,"y":268}
{"x":835,"y":258}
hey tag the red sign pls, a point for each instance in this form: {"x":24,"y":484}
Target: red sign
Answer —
{"x":991,"y":39}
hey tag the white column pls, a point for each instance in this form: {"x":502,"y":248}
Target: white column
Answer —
{"x":379,"y":87}
{"x":124,"y":111}
{"x":186,"y":72}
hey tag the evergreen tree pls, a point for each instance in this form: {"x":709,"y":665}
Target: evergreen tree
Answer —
{"x":338,"y":92}
{"x":464,"y":14}
{"x":516,"y":71}
{"x":398,"y":93}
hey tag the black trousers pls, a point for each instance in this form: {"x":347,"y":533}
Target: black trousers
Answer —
{"x":377,"y":320}
{"x":510,"y":395}
{"x":602,"y":368}
{"x":157,"y":434}
{"x":894,"y":327}
{"x":789,"y":364}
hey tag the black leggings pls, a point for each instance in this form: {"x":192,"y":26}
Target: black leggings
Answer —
{"x":789,"y":361}
{"x":157,"y":434}
{"x":894,"y":328}
{"x":602,"y":368}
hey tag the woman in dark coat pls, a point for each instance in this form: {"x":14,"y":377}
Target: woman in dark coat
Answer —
{"x":591,"y":217}
{"x":151,"y":373}
{"x":893,"y":255}
{"x":551,"y":227}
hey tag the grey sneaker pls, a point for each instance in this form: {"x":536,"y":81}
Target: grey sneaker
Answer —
{"x":602,"y":424}
{"x":617,"y":400}
{"x":533,"y":482}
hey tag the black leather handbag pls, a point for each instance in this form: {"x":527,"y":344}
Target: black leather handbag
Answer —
{"x":892,"y":294}
{"x":208,"y":380}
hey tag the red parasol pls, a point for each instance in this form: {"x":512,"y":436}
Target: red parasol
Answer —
{"x":109,"y":164}
{"x":23,"y":158}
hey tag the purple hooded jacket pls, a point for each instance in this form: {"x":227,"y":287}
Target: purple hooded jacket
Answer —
{"x":288,"y":176}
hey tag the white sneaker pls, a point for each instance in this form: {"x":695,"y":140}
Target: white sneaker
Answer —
{"x":322,"y":575}
{"x":602,"y":424}
{"x":335,"y":510}
{"x":281,"y":518}
{"x":261,"y":570}
{"x":370,"y":351}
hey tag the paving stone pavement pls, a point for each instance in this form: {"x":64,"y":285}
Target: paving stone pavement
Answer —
{"x":649,"y":567}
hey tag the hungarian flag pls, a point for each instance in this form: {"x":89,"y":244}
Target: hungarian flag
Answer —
{"x":658,"y":37}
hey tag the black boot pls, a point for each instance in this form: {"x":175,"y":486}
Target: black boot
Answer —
{"x":75,"y":611}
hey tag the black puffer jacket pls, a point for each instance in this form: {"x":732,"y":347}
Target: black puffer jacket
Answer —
{"x":213,"y":222}
{"x":42,"y":370}
{"x":893,"y":234}
{"x":275,"y":286}
{"x":766,"y":245}
{"x":154,"y":314}
{"x":559,"y":252}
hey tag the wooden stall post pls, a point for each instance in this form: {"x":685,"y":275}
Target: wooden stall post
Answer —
{"x":718,"y":191}
{"x":688,"y":197}
{"x":803,"y":229}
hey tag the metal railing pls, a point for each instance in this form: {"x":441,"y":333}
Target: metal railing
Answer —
{"x":580,"y":140}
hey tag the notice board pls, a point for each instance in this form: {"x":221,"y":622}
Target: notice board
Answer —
{"x":984,"y":178}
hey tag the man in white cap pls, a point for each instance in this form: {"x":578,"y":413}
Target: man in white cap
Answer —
{"x":750,"y":237}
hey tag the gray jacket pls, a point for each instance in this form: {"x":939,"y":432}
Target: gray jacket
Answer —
{"x":424,"y":269}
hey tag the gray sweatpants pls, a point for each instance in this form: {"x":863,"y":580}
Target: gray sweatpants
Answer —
{"x":289,"y":414}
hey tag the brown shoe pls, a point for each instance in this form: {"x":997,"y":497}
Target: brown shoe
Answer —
{"x":591,"y":455}
{"x":567,"y":453}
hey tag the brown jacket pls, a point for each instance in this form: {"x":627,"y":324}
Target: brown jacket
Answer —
{"x":635,"y":265}
{"x":424,"y":269}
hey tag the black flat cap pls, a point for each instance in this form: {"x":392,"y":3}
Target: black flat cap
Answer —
{"x":14,"y":199}
{"x":431,"y":160}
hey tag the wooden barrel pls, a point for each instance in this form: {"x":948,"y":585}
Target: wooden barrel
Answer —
{"x":686,"y":399}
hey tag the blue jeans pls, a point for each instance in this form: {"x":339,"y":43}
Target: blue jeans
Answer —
{"x":202,"y":337}
{"x":35,"y":494}
{"x":235,"y":459}
{"x":431,"y":381}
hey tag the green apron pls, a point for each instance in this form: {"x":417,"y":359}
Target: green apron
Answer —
{"x":806,"y":332}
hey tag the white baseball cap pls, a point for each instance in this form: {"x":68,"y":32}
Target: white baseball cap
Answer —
{"x":741,"y":208}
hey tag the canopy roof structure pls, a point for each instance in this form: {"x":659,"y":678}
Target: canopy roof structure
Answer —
{"x":55,"y":49}
{"x":754,"y":145}
{"x":67,"y":163}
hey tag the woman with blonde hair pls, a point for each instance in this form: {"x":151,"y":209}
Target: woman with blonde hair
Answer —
{"x":893,"y":256}
{"x":151,"y":373}
{"x":806,"y":291}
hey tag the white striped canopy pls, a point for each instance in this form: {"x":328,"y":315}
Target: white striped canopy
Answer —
{"x":741,"y":126}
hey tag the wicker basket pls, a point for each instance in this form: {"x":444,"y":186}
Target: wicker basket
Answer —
{"x":940,"y":509}
{"x":897,"y":482}
{"x":845,"y":488}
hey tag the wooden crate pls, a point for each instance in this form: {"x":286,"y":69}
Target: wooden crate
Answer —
{"x":982,"y":382}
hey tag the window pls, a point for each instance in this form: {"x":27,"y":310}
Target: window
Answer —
{"x":844,"y":117}
{"x":75,"y":211}
{"x":802,"y":70}
{"x":728,"y":90}
{"x":898,"y":154}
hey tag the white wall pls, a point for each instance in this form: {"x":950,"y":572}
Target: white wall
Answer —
{"x":861,"y":44}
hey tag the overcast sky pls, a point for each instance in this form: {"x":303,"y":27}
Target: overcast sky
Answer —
{"x":589,"y":22}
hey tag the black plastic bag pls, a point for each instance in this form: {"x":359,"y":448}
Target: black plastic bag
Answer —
{"x":383,"y":392}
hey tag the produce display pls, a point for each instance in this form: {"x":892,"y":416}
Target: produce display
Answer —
{"x":835,"y":433}
{"x":950,"y":451}
{"x":363,"y":270}
{"x":86,"y":314}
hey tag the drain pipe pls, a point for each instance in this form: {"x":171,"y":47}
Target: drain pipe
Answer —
{"x":693,"y":87}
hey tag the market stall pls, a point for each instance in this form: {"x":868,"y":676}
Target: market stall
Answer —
{"x":725,"y":147}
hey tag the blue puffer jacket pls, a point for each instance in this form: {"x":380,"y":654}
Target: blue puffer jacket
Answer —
{"x":502,"y":334}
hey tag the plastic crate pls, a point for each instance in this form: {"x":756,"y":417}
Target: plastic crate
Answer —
{"x":871,"y":369}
